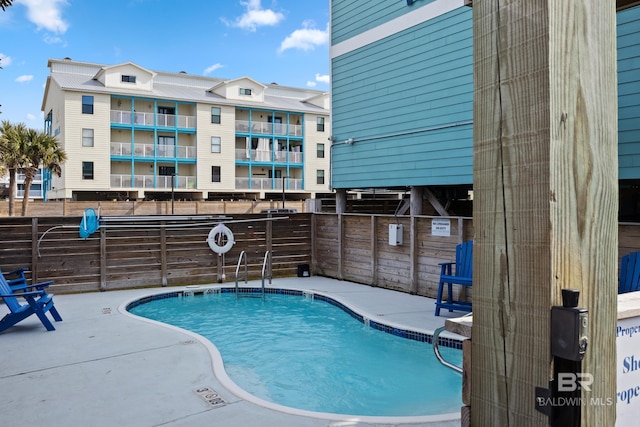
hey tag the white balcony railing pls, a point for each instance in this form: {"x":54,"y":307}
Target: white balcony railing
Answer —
{"x":148,"y":119}
{"x":147,"y":181}
{"x":268,"y":183}
{"x":268,"y":128}
{"x":265,"y":156}
{"x":147,"y":150}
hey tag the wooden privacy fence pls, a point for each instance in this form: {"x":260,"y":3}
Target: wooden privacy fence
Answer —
{"x":356,"y":247}
{"x":132,"y":254}
{"x":352,"y":247}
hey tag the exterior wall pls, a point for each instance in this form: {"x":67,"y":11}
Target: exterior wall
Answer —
{"x":409,"y":113}
{"x":226,"y":158}
{"x":402,"y":93}
{"x":71,"y":142}
{"x":629,"y":93}
{"x":311,"y":160}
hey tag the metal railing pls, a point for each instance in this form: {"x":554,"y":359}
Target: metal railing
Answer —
{"x":152,"y":119}
{"x":280,"y":156}
{"x":246,"y":270}
{"x":147,"y":181}
{"x":151,"y":150}
{"x":266,"y":265}
{"x":267,"y":128}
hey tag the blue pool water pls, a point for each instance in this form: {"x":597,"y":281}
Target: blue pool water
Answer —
{"x":311,"y":355}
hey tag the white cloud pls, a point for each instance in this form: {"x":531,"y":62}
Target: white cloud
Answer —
{"x":46,"y":14}
{"x":24,"y":78}
{"x":306,"y":38}
{"x":323,"y":78}
{"x":311,"y":84}
{"x":30,"y":117}
{"x":5,"y":60}
{"x":255,"y":16}
{"x":212,"y":68}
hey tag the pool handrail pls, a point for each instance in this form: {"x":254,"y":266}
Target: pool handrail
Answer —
{"x":246,"y":270}
{"x":267,"y":257}
{"x":436,"y":350}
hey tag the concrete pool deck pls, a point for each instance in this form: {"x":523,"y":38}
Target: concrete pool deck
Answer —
{"x":104,"y":368}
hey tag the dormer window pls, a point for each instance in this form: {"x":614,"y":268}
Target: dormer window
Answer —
{"x":128,"y":79}
{"x":244,"y":91}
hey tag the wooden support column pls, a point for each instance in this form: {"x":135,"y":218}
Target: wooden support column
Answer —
{"x":416,"y":200}
{"x":341,"y":201}
{"x":545,"y":199}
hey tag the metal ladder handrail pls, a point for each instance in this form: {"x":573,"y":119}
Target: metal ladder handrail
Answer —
{"x":436,"y":350}
{"x":267,"y":256}
{"x":246,"y":270}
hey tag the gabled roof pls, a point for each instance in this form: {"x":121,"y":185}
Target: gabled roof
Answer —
{"x":107,"y":68}
{"x":226,"y":83}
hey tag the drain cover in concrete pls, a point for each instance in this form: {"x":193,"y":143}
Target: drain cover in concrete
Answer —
{"x":211,"y":397}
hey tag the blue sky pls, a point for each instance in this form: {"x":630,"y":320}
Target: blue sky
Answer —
{"x":281,"y":41}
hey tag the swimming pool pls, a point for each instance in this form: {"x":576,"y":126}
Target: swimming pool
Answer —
{"x":307,"y":351}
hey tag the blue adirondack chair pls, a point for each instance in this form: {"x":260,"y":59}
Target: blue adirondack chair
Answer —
{"x":460,"y":275}
{"x":629,"y":273}
{"x":18,"y":281}
{"x":39,"y":302}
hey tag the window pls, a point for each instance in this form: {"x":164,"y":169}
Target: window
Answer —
{"x":320,"y":124}
{"x":215,"y":115}
{"x":128,"y":79}
{"x":320,"y":176}
{"x":87,"y":170}
{"x":87,"y":137}
{"x":215,"y":174}
{"x":166,"y":170}
{"x":87,"y":104}
{"x":244,"y":91}
{"x":320,"y":151}
{"x":215,"y":144}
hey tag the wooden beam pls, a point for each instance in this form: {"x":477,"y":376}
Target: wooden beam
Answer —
{"x":545,"y":199}
{"x":620,"y":4}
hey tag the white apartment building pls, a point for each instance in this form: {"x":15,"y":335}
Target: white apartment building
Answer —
{"x":133,"y":133}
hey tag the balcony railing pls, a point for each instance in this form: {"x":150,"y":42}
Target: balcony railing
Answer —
{"x":20,"y":177}
{"x":147,"y":181}
{"x":33,"y":193}
{"x":147,"y":150}
{"x":147,"y":119}
{"x":246,"y":183}
{"x":268,"y":128}
{"x":265,"y":156}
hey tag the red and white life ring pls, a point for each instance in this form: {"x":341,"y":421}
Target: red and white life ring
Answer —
{"x":216,"y":234}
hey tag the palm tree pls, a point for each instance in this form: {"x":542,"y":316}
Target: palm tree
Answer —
{"x":4,"y":4}
{"x":39,"y":149}
{"x":11,"y":158}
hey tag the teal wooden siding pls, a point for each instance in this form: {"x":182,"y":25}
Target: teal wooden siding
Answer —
{"x":629,"y":93}
{"x":419,"y":80}
{"x":353,"y":17}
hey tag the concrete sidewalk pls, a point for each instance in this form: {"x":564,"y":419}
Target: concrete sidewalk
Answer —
{"x":105,"y":368}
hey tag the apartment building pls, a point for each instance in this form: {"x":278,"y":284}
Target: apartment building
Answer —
{"x":132,"y":133}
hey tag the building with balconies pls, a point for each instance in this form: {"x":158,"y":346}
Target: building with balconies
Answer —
{"x":133,"y":133}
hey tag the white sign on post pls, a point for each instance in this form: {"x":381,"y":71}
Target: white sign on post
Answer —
{"x":628,"y":367}
{"x":441,"y":227}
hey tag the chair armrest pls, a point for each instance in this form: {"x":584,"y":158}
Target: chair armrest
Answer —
{"x":19,"y":272}
{"x":21,"y":294}
{"x":22,"y":286}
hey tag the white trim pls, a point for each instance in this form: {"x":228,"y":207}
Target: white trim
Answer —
{"x":415,"y":17}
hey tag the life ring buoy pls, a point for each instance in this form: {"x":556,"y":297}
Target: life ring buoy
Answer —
{"x":220,"y":230}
